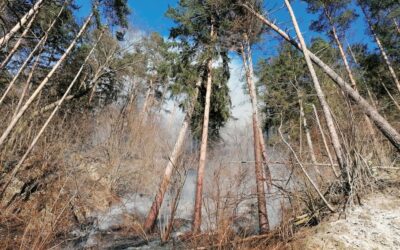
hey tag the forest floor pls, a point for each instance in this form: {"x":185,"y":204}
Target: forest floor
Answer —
{"x":375,"y":224}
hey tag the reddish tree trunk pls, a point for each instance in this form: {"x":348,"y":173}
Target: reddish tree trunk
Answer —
{"x":155,"y":207}
{"x":257,"y":144}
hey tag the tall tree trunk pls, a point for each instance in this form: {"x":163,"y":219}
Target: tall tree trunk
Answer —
{"x":20,"y":23}
{"x":196,"y":226}
{"x":308,"y":138}
{"x":267,"y":172}
{"x":382,"y":49}
{"x":381,"y":123}
{"x":18,"y":43}
{"x":328,"y":151}
{"x":41,"y":43}
{"x":324,"y":104}
{"x":57,"y":107}
{"x":172,"y":162}
{"x":43,"y":83}
{"x":261,"y":199}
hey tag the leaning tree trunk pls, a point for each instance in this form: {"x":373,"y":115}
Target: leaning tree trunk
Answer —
{"x":261,"y":199}
{"x":172,"y":162}
{"x":17,"y":44}
{"x":40,"y":44}
{"x":43,"y":83}
{"x":20,"y":23}
{"x":340,"y":156}
{"x":57,"y":107}
{"x":383,"y":51}
{"x":381,"y":123}
{"x":196,"y":226}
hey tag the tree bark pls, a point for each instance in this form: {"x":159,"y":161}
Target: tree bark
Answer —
{"x":196,"y":226}
{"x":43,"y":83}
{"x":324,"y":104}
{"x":172,"y":162}
{"x":20,"y":23}
{"x":260,"y":177}
{"x":381,"y":123}
{"x":57,"y":107}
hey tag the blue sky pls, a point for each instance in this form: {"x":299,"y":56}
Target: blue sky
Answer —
{"x":149,"y":15}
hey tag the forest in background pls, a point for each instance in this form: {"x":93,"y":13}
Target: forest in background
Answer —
{"x":91,"y":115}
